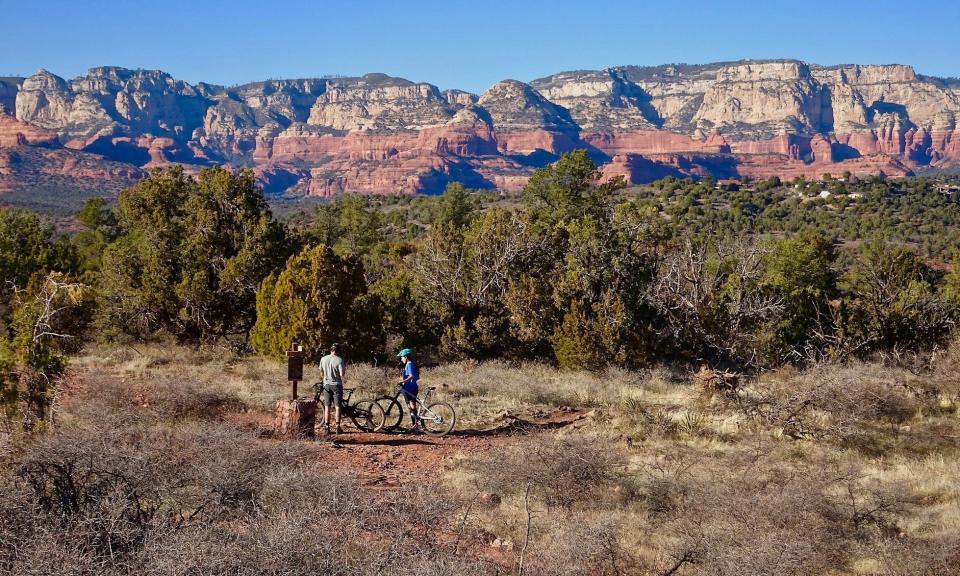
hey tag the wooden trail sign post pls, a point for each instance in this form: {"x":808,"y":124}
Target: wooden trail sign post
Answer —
{"x":297,"y":416}
{"x":294,"y":367}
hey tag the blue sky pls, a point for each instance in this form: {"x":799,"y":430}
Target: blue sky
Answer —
{"x":462,"y":44}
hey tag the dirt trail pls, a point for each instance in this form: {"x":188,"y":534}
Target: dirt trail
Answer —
{"x":392,"y":460}
{"x":382,"y":460}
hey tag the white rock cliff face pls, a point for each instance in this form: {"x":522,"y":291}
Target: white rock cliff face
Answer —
{"x":743,"y":101}
{"x":516,"y":106}
{"x":600,"y":101}
{"x":859,"y":92}
{"x":8,"y":95}
{"x":785,"y":113}
{"x":772,"y":97}
{"x":376,"y":102}
{"x":108,"y":101}
{"x":44,"y":100}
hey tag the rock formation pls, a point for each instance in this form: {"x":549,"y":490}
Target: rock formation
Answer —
{"x":61,"y":171}
{"x":379,"y":134}
{"x":16,"y":133}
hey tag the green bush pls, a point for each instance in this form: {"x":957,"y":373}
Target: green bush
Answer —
{"x":464,"y":275}
{"x":801,"y":273}
{"x":577,"y":342}
{"x":189,"y":255}
{"x":892,"y":303}
{"x":317,"y":299}
{"x":49,"y":319}
{"x":28,"y":245}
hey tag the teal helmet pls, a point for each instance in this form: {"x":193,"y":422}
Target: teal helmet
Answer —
{"x":405,"y":352}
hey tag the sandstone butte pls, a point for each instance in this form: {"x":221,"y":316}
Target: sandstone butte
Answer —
{"x":379,"y":134}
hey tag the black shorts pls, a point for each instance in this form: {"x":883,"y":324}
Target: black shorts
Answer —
{"x":332,"y":395}
{"x":409,"y":392}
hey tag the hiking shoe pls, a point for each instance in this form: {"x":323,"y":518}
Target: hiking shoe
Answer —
{"x":339,"y":430}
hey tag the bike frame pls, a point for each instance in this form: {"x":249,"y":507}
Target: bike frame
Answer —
{"x":421,"y":404}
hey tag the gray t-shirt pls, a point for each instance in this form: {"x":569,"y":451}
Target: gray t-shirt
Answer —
{"x":332,"y":368}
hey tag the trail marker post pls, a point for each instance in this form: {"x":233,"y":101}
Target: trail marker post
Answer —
{"x":294,"y":367}
{"x":295,"y":417}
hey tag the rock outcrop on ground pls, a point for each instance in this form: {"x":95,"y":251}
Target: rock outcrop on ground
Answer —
{"x":379,"y":134}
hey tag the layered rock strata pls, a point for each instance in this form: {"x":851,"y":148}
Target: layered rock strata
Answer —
{"x":379,"y":134}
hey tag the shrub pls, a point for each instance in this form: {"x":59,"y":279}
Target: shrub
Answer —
{"x":464,"y":275}
{"x":843,"y":403}
{"x":111,"y":484}
{"x":568,"y":190}
{"x":712,"y":303}
{"x":407,"y":319}
{"x":893,"y":304}
{"x":174,"y":398}
{"x":564,"y":471}
{"x":319,"y":298}
{"x":914,"y":557}
{"x":800,"y":270}
{"x":741,"y":521}
{"x":944,"y":378}
{"x":578,"y":343}
{"x":189,"y":255}
{"x":28,"y":246}
{"x":118,"y":497}
{"x":49,"y":319}
{"x":580,"y":547}
{"x":455,"y":207}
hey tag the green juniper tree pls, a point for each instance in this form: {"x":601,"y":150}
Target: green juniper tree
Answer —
{"x":317,"y":299}
{"x":801,"y":272}
{"x":189,"y":255}
{"x":49,"y":316}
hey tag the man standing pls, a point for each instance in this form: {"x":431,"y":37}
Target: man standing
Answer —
{"x":333,"y":367}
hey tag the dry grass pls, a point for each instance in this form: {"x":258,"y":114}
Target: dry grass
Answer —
{"x":842,"y":470}
{"x":136,"y":478}
{"x":255,"y":382}
{"x":801,"y":472}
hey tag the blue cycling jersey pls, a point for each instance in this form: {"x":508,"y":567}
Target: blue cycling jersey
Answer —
{"x":411,"y":375}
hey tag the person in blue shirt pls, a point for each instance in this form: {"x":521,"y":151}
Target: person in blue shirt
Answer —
{"x":409,"y":385}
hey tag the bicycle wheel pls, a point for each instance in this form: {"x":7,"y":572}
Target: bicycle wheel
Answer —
{"x":438,"y":419}
{"x":392,"y":411}
{"x":367,"y":415}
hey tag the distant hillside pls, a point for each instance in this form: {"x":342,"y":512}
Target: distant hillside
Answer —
{"x":58,"y":181}
{"x":379,"y":134}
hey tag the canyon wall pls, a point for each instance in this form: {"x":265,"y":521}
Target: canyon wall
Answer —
{"x":379,"y":134}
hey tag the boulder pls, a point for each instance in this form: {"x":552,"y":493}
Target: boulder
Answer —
{"x":295,"y":418}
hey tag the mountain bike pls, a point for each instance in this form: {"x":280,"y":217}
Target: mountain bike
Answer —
{"x":437,"y":418}
{"x":367,"y":415}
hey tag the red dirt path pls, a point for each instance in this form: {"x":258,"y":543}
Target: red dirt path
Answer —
{"x":392,"y":460}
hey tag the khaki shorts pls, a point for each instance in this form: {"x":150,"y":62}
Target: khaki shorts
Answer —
{"x":332,"y":395}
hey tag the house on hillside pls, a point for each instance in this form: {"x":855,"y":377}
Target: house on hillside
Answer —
{"x":948,"y":189}
{"x":951,"y":191}
{"x":728,"y":185}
